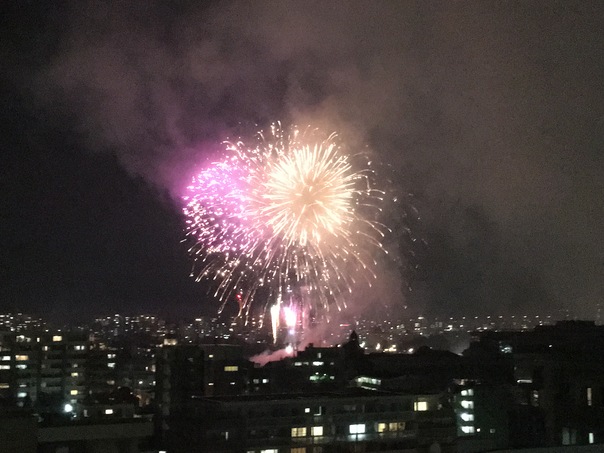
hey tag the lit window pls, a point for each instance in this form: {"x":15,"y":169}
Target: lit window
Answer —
{"x":316,"y":431}
{"x":73,"y":392}
{"x":307,"y":410}
{"x":467,"y":417}
{"x":21,"y":395}
{"x":394,"y":426}
{"x":4,"y":385}
{"x":57,"y":338}
{"x":466,"y":404}
{"x":111,"y":356}
{"x":74,"y":374}
{"x":299,"y":432}
{"x":317,"y":363}
{"x":21,"y":358}
{"x":535,"y":398}
{"x":381,"y":427}
{"x":467,"y":392}
{"x":467,"y":429}
{"x":270,"y":450}
{"x":5,"y":358}
{"x":591,"y":438}
{"x":21,"y":366}
{"x":420,"y":406}
{"x":589,"y":397}
{"x":111,"y":365}
{"x":358,"y":428}
{"x":108,"y":411}
{"x":265,"y":381}
{"x":79,"y":347}
{"x":231,"y":368}
{"x":298,"y":450}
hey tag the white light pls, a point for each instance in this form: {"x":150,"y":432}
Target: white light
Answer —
{"x":108,"y":411}
{"x":467,"y":404}
{"x":421,"y":406}
{"x":316,"y":431}
{"x":358,"y":428}
{"x":67,"y":408}
{"x":467,"y":417}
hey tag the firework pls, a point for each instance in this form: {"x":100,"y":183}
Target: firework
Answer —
{"x":291,"y":220}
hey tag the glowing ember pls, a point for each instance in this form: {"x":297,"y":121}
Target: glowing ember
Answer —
{"x":290,"y":317}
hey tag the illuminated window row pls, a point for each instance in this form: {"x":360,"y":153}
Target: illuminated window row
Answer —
{"x":391,"y":427}
{"x":301,"y":431}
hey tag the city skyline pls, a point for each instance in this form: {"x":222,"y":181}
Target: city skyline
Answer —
{"x":489,"y":115}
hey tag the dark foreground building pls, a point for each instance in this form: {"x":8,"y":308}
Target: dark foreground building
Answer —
{"x":557,"y":392}
{"x":355,"y":420}
{"x":20,"y":432}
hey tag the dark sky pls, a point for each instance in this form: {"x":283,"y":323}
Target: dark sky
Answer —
{"x":491,"y":114}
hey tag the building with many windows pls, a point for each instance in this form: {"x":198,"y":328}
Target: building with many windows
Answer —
{"x":43,"y":370}
{"x":351,"y":420}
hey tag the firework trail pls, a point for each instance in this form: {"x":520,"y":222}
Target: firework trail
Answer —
{"x":291,"y":220}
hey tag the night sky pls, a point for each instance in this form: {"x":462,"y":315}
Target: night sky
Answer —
{"x":490,"y":113}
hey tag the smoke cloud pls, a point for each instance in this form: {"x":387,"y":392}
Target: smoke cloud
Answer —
{"x":490,"y":113}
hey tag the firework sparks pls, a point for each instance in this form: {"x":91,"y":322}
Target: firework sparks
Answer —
{"x":293,"y":218}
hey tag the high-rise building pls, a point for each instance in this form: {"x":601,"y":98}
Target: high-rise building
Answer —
{"x":43,"y":370}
